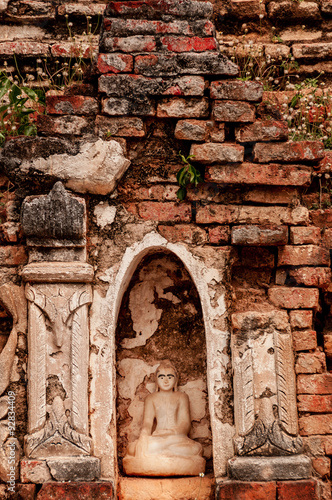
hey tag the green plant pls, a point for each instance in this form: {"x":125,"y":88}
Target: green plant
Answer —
{"x":186,"y":176}
{"x":15,"y":112}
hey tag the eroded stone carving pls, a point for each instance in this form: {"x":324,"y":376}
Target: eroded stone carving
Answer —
{"x":264,"y":385}
{"x":58,"y":338}
{"x":12,"y":298}
{"x":163,"y":447}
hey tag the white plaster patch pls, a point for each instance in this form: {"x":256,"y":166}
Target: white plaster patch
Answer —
{"x":133,"y":372}
{"x":104,"y":213}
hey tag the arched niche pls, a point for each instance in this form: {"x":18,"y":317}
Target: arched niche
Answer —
{"x":208,"y":269}
{"x":160,"y":318}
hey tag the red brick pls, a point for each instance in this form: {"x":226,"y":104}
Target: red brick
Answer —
{"x":239,"y":214}
{"x":91,"y":9}
{"x":152,"y":9}
{"x":116,"y":106}
{"x":115,"y":63}
{"x":294,"y":298}
{"x":255,"y":174}
{"x":247,"y":9}
{"x":314,"y":362}
{"x":165,"y":212}
{"x":272,"y":196}
{"x":30,"y":10}
{"x":314,"y":384}
{"x":130,"y":44}
{"x":127,"y":27}
{"x":288,"y":151}
{"x":73,"y":49}
{"x":236,"y":490}
{"x":188,"y":44}
{"x":184,"y":233}
{"x":211,"y":152}
{"x":328,"y":345}
{"x":233,"y":111}
{"x":63,"y":125}
{"x":304,"y":340}
{"x":259,"y":235}
{"x":304,"y":235}
{"x":24,"y":48}
{"x":319,"y":277}
{"x":199,"y":130}
{"x":122,"y":127}
{"x":327,"y":238}
{"x":265,"y":130}
{"x":314,"y":403}
{"x":323,"y":219}
{"x":83,"y":491}
{"x":322,"y":465}
{"x":219,"y":235}
{"x":297,"y":490}
{"x":306,"y":255}
{"x":236,"y":90}
{"x":158,"y":192}
{"x":69,"y":105}
{"x":13,"y":255}
{"x":300,"y":319}
{"x":327,"y":443}
{"x":175,"y":107}
{"x":22,"y":492}
{"x":315,"y":424}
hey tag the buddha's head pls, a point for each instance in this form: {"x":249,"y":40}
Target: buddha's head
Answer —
{"x":166,"y":376}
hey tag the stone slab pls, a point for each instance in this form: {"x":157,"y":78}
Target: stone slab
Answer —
{"x":166,"y":489}
{"x":34,"y":471}
{"x":74,"y":468}
{"x":270,"y":468}
{"x":58,"y":272}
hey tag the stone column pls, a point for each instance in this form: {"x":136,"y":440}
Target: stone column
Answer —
{"x":58,"y":291}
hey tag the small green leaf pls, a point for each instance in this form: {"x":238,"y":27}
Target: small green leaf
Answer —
{"x":181,"y":193}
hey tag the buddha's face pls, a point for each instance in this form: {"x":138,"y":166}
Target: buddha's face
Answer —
{"x":166,"y":379}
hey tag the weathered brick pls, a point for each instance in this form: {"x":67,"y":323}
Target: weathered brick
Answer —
{"x":328,"y":345}
{"x":322,"y":465}
{"x":115,"y":63}
{"x":123,"y":127}
{"x":63,"y":125}
{"x":115,"y":106}
{"x":22,"y":48}
{"x":236,"y":90}
{"x":158,"y":192}
{"x":276,"y":51}
{"x":286,"y":10}
{"x":306,"y":255}
{"x":130,"y":44}
{"x":78,"y":9}
{"x":184,"y":63}
{"x":247,"y":9}
{"x":128,"y":27}
{"x":297,"y":490}
{"x":311,"y":403}
{"x":294,"y":298}
{"x":186,"y":233}
{"x":132,"y":85}
{"x":323,"y":219}
{"x":315,"y":424}
{"x":176,"y":107}
{"x":165,"y":212}
{"x":217,"y":153}
{"x":73,"y":49}
{"x":312,"y":50}
{"x":300,"y":319}
{"x":315,"y":384}
{"x":319,"y":277}
{"x":13,"y":255}
{"x":29,"y":10}
{"x":84,"y":491}
{"x":265,"y":130}
{"x":233,"y":111}
{"x":255,"y":173}
{"x":153,"y":9}
{"x":272,"y":196}
{"x":69,"y":105}
{"x":237,"y":214}
{"x":259,"y":235}
{"x":236,"y":490}
{"x":289,"y":151}
{"x":314,"y":362}
{"x":199,"y":130}
{"x":327,"y":443}
{"x":22,"y":491}
{"x":304,"y":340}
{"x":219,"y":235}
{"x":304,"y":235}
{"x":188,"y":44}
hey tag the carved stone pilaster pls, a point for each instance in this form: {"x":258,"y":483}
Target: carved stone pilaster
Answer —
{"x":59,"y":293}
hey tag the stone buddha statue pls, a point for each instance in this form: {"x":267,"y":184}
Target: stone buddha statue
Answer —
{"x":163,"y":447}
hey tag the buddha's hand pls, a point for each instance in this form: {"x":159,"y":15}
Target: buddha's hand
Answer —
{"x":141,"y":446}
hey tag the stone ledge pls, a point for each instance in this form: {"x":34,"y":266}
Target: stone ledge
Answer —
{"x":58,"y":272}
{"x":269,"y":468}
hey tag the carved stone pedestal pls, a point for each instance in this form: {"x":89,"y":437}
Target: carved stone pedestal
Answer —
{"x":269,"y":468}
